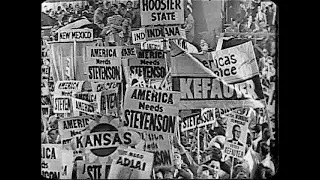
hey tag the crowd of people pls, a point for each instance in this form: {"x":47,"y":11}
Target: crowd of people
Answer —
{"x":112,"y":21}
{"x":115,"y":22}
{"x":254,"y":16}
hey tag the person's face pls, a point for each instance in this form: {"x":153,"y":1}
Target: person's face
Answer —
{"x":129,"y":4}
{"x":264,"y":52}
{"x":236,"y":133}
{"x":53,"y":134}
{"x":177,"y":160}
{"x":114,"y":9}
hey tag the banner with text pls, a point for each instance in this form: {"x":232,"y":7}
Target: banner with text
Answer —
{"x":190,"y":122}
{"x":81,"y":107}
{"x":161,"y":12}
{"x":151,"y":110}
{"x":131,"y":164}
{"x":107,"y":70}
{"x":156,"y":32}
{"x":61,"y":104}
{"x":207,"y":116}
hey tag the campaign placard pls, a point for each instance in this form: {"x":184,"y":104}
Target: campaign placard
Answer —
{"x":61,"y":104}
{"x":91,"y":170}
{"x":159,"y":145}
{"x":190,"y":122}
{"x":128,"y":52}
{"x":161,"y":12}
{"x":150,"y":69}
{"x":106,"y":70}
{"x":51,"y":161}
{"x":70,"y":35}
{"x":93,"y":97}
{"x":103,"y":53}
{"x":147,"y":109}
{"x":67,"y":88}
{"x":131,"y":164}
{"x":100,"y":86}
{"x":207,"y":116}
{"x":234,"y":64}
{"x":67,"y":164}
{"x":156,"y":44}
{"x":70,"y":127}
{"x":236,"y":135}
{"x":138,"y":36}
{"x":86,"y":107}
{"x":110,"y":102}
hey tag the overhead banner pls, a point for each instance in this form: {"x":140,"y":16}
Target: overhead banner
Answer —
{"x":61,"y":104}
{"x":159,"y":145}
{"x":151,"y":110}
{"x":91,"y":170}
{"x":236,"y":135}
{"x":85,"y":107}
{"x":70,"y":35}
{"x":161,"y":12}
{"x":235,"y":63}
{"x":131,"y":164}
{"x":156,"y":32}
{"x":67,"y":88}
{"x":51,"y":161}
{"x":201,"y":88}
{"x":190,"y":122}
{"x":107,"y":70}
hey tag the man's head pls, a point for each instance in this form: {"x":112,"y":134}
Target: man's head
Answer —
{"x":168,"y":174}
{"x":236,"y":132}
{"x":114,"y":8}
{"x":129,"y":5}
{"x":177,"y":160}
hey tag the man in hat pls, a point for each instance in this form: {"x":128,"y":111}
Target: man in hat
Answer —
{"x":236,"y":132}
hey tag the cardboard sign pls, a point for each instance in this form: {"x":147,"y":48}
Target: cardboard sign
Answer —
{"x":61,"y":104}
{"x":91,"y":170}
{"x":67,"y":164}
{"x":104,"y":139}
{"x":153,"y":69}
{"x":207,"y":116}
{"x":110,"y":52}
{"x":161,"y":12}
{"x":79,"y":105}
{"x":100,"y":86}
{"x":70,"y":127}
{"x":104,"y":70}
{"x":67,"y":88}
{"x":159,"y":145}
{"x":128,"y":52}
{"x":51,"y":161}
{"x":152,"y":45}
{"x":45,"y":72}
{"x":190,"y":122}
{"x":235,"y":63}
{"x":131,"y":164}
{"x":152,"y":33}
{"x":70,"y":35}
{"x":111,"y":101}
{"x":45,"y":109}
{"x":236,"y":135}
{"x":147,"y":109}
{"x":92,"y":97}
{"x":138,"y":36}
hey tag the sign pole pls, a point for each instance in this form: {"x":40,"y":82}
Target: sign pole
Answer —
{"x":198,"y":140}
{"x":231,"y":170}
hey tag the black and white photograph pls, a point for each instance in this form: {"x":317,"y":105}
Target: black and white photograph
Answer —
{"x":159,"y":89}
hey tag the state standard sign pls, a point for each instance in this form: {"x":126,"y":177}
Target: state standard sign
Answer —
{"x":161,"y":12}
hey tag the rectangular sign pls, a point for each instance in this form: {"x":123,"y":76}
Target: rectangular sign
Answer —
{"x":236,"y":135}
{"x":110,"y":102}
{"x":110,"y":52}
{"x":149,"y":69}
{"x":79,"y":105}
{"x":190,"y":122}
{"x":161,"y":12}
{"x":235,"y":63}
{"x":104,"y":70}
{"x":61,"y":104}
{"x":207,"y":116}
{"x":70,"y":127}
{"x":67,"y":164}
{"x":51,"y":161}
{"x":156,"y":44}
{"x":100,"y":86}
{"x":67,"y":88}
{"x":131,"y":164}
{"x":92,"y":97}
{"x":91,"y":170}
{"x":159,"y":145}
{"x":151,"y":110}
{"x":128,"y":52}
{"x":138,"y":36}
{"x":71,"y":35}
{"x":157,"y":32}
